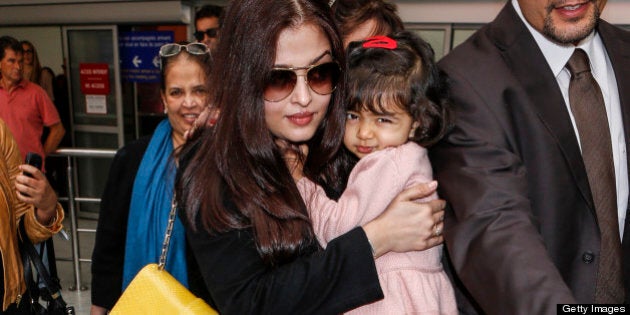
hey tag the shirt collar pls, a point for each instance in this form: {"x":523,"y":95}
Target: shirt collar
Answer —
{"x":556,"y":55}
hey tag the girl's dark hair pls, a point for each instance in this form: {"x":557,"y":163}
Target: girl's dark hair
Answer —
{"x":406,"y":76}
{"x":350,"y":14}
{"x":235,"y":176}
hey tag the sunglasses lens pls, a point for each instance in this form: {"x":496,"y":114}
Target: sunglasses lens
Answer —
{"x":170,"y":50}
{"x":198,"y":35}
{"x":211,"y":32}
{"x":197,"y":48}
{"x":279,"y":85}
{"x":323,"y":78}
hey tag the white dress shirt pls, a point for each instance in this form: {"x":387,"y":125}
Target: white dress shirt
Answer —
{"x":557,"y":57}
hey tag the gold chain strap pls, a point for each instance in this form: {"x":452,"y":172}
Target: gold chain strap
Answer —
{"x":169,"y":231}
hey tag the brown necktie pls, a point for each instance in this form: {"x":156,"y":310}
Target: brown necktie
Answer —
{"x":589,"y":111}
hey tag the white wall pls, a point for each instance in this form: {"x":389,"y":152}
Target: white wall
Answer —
{"x":46,"y":39}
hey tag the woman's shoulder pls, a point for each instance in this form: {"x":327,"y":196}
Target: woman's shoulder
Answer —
{"x":134,"y":148}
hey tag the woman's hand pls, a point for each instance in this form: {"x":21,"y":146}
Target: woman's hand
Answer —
{"x":37,"y":191}
{"x":207,"y":117}
{"x":407,"y":225}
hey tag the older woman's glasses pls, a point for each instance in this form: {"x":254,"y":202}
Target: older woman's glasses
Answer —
{"x":322,"y":79}
{"x":170,"y":50}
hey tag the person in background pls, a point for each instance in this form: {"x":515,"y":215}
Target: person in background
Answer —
{"x":137,"y":198}
{"x":28,"y":199}
{"x":207,"y":24}
{"x":246,"y":222}
{"x":396,"y":106}
{"x":536,"y":171}
{"x":360,"y":19}
{"x":24,"y":106}
{"x":34,"y":72}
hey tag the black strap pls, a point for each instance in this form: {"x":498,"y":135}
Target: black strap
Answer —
{"x":29,"y":253}
{"x":52,"y":259}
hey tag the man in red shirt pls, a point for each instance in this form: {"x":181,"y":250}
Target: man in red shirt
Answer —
{"x":24,"y":106}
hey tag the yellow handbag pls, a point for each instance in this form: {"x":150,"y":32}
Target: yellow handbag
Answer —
{"x":154,"y":291}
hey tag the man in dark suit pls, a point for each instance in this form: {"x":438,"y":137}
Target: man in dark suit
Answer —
{"x":522,"y":230}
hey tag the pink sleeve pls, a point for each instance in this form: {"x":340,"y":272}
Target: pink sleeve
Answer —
{"x":422,"y":172}
{"x":374,"y":182}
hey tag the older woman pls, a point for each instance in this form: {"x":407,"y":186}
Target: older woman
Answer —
{"x":137,"y":198}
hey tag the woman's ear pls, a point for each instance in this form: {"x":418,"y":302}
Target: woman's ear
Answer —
{"x":414,"y":126}
{"x":164,"y":102}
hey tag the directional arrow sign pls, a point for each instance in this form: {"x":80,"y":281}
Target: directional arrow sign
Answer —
{"x":139,"y":60}
{"x":136,"y":61}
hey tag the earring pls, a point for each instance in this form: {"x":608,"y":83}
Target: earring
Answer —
{"x":165,"y":110}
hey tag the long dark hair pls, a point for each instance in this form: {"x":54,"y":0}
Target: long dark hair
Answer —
{"x":236,"y":177}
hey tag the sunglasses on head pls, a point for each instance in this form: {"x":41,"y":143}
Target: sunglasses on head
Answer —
{"x":170,"y":50}
{"x":322,"y":79}
{"x":211,"y":32}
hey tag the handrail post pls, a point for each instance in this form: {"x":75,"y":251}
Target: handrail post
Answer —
{"x":76,"y":264}
{"x":72,"y":154}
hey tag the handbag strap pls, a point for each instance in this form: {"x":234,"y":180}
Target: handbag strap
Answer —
{"x":53,"y":288}
{"x":169,"y":231}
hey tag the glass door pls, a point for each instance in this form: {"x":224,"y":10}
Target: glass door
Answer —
{"x":98,"y":117}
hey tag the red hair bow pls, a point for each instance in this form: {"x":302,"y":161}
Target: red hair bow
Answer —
{"x":380,"y":42}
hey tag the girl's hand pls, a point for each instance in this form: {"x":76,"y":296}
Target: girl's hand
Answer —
{"x":406,"y":225}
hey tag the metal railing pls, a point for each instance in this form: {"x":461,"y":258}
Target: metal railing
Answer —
{"x":71,"y":154}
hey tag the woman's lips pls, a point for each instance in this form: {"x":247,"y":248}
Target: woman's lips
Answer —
{"x":301,"y":119}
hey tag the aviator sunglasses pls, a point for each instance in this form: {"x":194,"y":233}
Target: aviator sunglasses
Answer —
{"x":211,"y":32}
{"x":170,"y":50}
{"x":322,"y":79}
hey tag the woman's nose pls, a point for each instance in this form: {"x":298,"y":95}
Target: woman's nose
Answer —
{"x":302,"y":92}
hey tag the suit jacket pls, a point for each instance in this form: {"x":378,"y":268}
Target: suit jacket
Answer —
{"x":521,"y":229}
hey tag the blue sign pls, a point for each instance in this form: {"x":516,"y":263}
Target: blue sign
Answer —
{"x":139,"y":60}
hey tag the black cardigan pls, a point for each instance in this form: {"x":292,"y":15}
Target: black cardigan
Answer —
{"x":111,"y":233}
{"x":332,"y":281}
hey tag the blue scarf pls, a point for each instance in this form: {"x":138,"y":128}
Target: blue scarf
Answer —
{"x":148,"y":213}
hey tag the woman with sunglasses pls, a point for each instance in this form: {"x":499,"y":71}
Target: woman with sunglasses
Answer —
{"x":280,"y":85}
{"x":137,"y":198}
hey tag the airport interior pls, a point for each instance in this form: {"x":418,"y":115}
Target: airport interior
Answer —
{"x":119,"y":38}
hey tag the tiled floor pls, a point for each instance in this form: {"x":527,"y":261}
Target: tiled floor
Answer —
{"x":80,"y":298}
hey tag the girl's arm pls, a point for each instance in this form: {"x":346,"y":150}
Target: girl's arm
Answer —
{"x":376,"y":180}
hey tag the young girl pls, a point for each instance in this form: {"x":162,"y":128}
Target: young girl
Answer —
{"x":396,"y":104}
